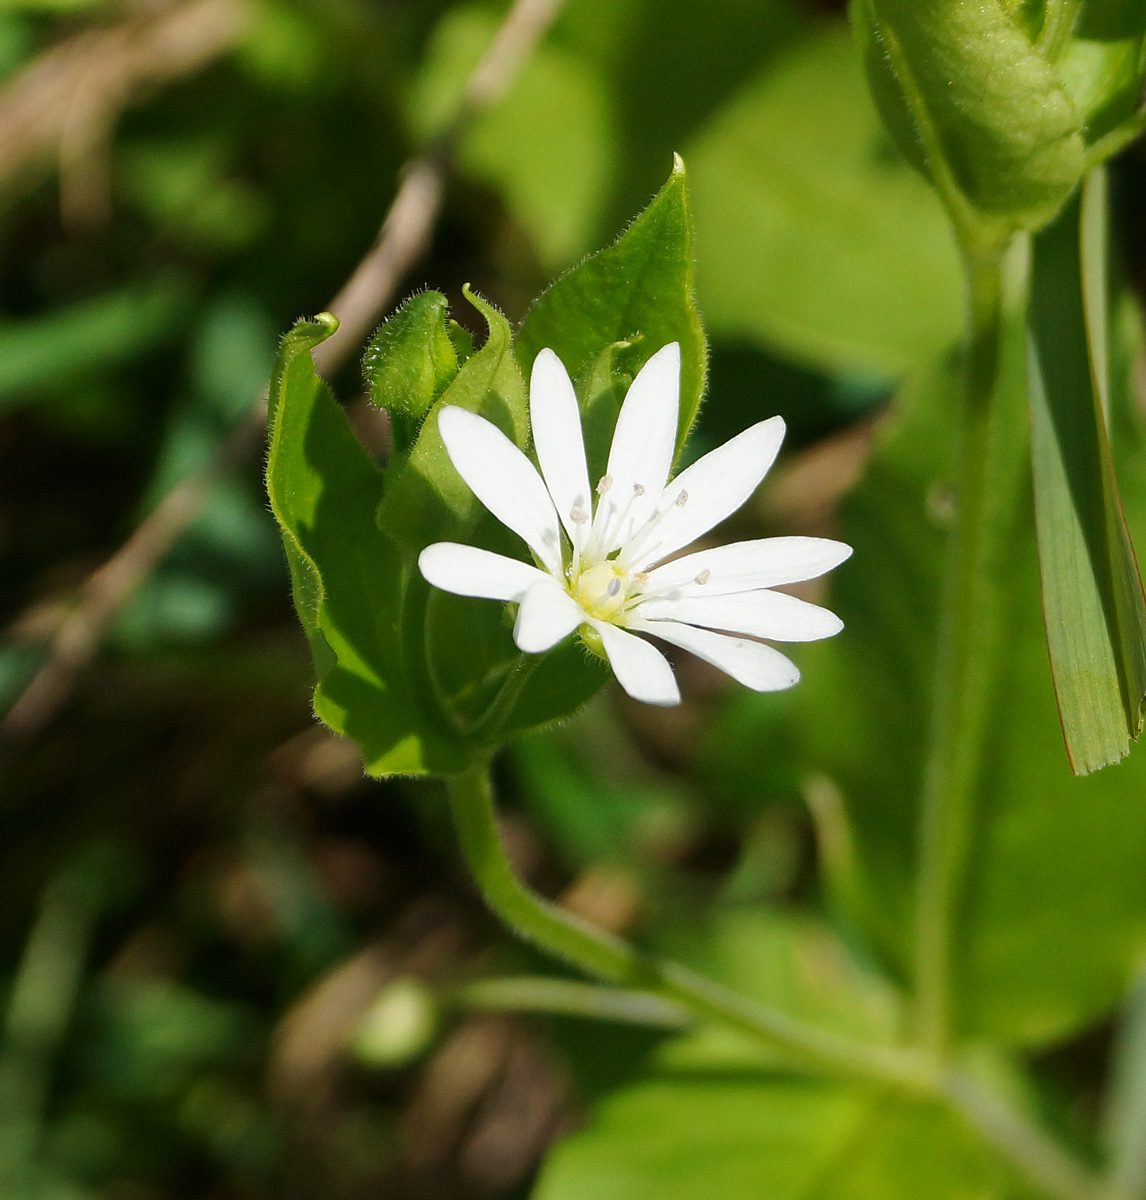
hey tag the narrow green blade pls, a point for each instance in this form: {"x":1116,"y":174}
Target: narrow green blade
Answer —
{"x":1092,"y":593}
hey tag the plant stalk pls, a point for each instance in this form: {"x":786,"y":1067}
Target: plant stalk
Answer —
{"x":656,"y":982}
{"x":969,"y":643}
{"x":607,"y":957}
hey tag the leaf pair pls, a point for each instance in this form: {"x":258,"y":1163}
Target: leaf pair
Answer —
{"x":425,"y":682}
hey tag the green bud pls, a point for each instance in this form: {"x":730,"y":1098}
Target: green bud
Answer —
{"x":967,"y":93}
{"x":410,"y":361}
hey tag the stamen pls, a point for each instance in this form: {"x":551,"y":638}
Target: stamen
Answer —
{"x":578,"y":515}
{"x":703,"y":577}
{"x":604,"y":484}
{"x":613,"y":588}
{"x":641,"y":578}
{"x":682,"y":499}
{"x":638,"y":489}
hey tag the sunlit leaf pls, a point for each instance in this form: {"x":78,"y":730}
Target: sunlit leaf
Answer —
{"x":638,"y":290}
{"x":348,"y":576}
{"x":409,"y":363}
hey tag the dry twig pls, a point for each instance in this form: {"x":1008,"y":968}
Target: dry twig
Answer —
{"x":404,"y":236}
{"x":61,"y":109}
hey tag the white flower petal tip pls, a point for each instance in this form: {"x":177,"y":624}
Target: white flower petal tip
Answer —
{"x":757,"y":666}
{"x":641,"y":669}
{"x":547,"y":615}
{"x":606,"y":546}
{"x":469,"y":571}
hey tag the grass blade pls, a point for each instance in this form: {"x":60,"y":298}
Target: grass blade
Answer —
{"x":1092,"y":593}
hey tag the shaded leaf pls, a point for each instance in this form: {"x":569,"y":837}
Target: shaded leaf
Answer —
{"x":89,"y":336}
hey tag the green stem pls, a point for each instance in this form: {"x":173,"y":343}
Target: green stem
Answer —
{"x":571,"y":998}
{"x":969,"y":637}
{"x":1041,"y":1158}
{"x":601,"y":954}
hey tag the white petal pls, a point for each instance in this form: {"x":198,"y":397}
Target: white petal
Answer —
{"x":556,"y":422}
{"x":753,"y":664}
{"x":744,"y":566}
{"x":641,"y":669}
{"x":713,"y":488}
{"x":468,"y":571}
{"x":644,"y":444}
{"x":547,"y":614}
{"x":504,"y":480}
{"x":765,"y":614}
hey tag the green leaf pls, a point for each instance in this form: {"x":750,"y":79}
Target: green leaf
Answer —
{"x":974,"y":104}
{"x":348,"y":576}
{"x":426,"y":499}
{"x":819,"y":241}
{"x":43,"y":352}
{"x":687,"y":1139}
{"x":1101,"y":65}
{"x":791,"y":962}
{"x":1054,"y":920}
{"x":641,"y":287}
{"x":409,"y":363}
{"x":1092,"y":594}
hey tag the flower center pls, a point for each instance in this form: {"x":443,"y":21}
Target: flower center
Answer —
{"x":601,"y":589}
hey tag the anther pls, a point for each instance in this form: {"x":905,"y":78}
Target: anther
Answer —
{"x":682,"y":499}
{"x":638,"y":489}
{"x":604,"y":485}
{"x":641,"y":578}
{"x":578,"y":515}
{"x":614,"y":587}
{"x":703,"y":577}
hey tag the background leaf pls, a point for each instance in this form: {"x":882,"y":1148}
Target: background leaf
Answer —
{"x":1054,"y":920}
{"x":818,"y":239}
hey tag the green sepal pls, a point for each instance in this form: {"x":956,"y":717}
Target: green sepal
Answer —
{"x":409,"y":362}
{"x":348,"y":577}
{"x":426,"y":499}
{"x":971,"y":101}
{"x":640,"y":287}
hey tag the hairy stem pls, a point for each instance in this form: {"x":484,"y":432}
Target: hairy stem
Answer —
{"x":969,"y":642}
{"x":601,"y":954}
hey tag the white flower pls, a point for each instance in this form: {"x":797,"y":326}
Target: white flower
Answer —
{"x":606,"y":567}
